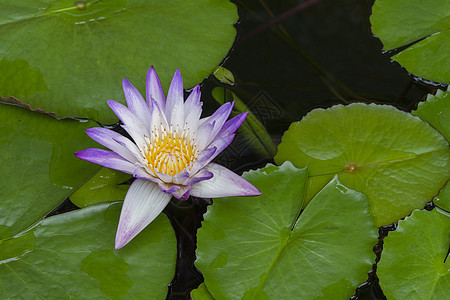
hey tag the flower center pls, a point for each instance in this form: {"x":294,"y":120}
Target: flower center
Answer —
{"x":169,"y":152}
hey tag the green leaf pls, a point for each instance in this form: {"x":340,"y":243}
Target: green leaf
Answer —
{"x":397,"y":160}
{"x":436,"y":111}
{"x":201,"y":293}
{"x":252,"y":129}
{"x":428,"y":58}
{"x":401,"y":22}
{"x":414,"y":263}
{"x":258,"y":248}
{"x":72,"y":256}
{"x":37,"y":165}
{"x":105,"y":186}
{"x":69,"y":61}
{"x":224,"y":75}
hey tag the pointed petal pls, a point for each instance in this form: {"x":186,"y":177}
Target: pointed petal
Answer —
{"x":224,"y":183}
{"x":203,"y":157}
{"x":115,"y":141}
{"x":159,"y":120}
{"x":193,"y":110}
{"x":219,"y":145}
{"x":154,"y":90}
{"x":217,"y":119}
{"x":136,"y":104}
{"x":143,"y":203}
{"x":232,"y":125}
{"x":175,"y":101}
{"x":106,"y":159}
{"x":131,"y":123}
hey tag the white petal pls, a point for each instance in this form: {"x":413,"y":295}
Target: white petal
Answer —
{"x":143,"y":203}
{"x":224,"y":183}
{"x":175,"y":101}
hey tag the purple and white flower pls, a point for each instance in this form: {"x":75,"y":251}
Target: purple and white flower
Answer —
{"x":170,"y":154}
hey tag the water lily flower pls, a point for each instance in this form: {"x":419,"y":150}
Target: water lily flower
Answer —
{"x":170,"y":154}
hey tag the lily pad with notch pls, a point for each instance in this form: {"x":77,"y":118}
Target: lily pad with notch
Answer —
{"x":72,"y":255}
{"x":425,"y":23}
{"x":397,"y":160}
{"x":260,"y":248}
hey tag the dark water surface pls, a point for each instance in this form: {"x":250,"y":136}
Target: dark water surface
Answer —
{"x":289,"y":58}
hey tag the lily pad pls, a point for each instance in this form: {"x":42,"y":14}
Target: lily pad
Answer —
{"x":425,"y":22}
{"x":105,"y":186}
{"x":436,"y":111}
{"x":258,"y":248}
{"x":69,"y":59}
{"x":414,"y":263}
{"x":397,"y":160}
{"x":37,"y":165}
{"x":72,"y":256}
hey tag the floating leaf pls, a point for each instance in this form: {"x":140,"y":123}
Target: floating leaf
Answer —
{"x":37,"y":165}
{"x":397,"y":160}
{"x":72,"y":256}
{"x":436,"y":111}
{"x":224,"y":75}
{"x":258,"y":248}
{"x":69,"y":60}
{"x":252,"y":129}
{"x":426,"y":22}
{"x":414,"y":263}
{"x":105,"y":186}
{"x":201,"y":293}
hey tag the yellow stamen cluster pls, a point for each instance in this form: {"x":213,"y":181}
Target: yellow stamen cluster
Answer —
{"x":170,"y":152}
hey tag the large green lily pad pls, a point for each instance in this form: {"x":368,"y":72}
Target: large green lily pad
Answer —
{"x":37,"y":165}
{"x":258,"y":248}
{"x":401,"y":22}
{"x":397,"y":160}
{"x":72,"y":256}
{"x":69,"y":61}
{"x":414,"y":263}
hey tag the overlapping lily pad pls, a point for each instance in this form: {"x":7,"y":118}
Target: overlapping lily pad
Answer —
{"x":397,"y":160}
{"x":72,"y":256}
{"x":258,"y":248}
{"x":426,"y":22}
{"x":414,"y":263}
{"x":105,"y":186}
{"x":69,"y":59}
{"x":436,"y":111}
{"x":37,"y":165}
